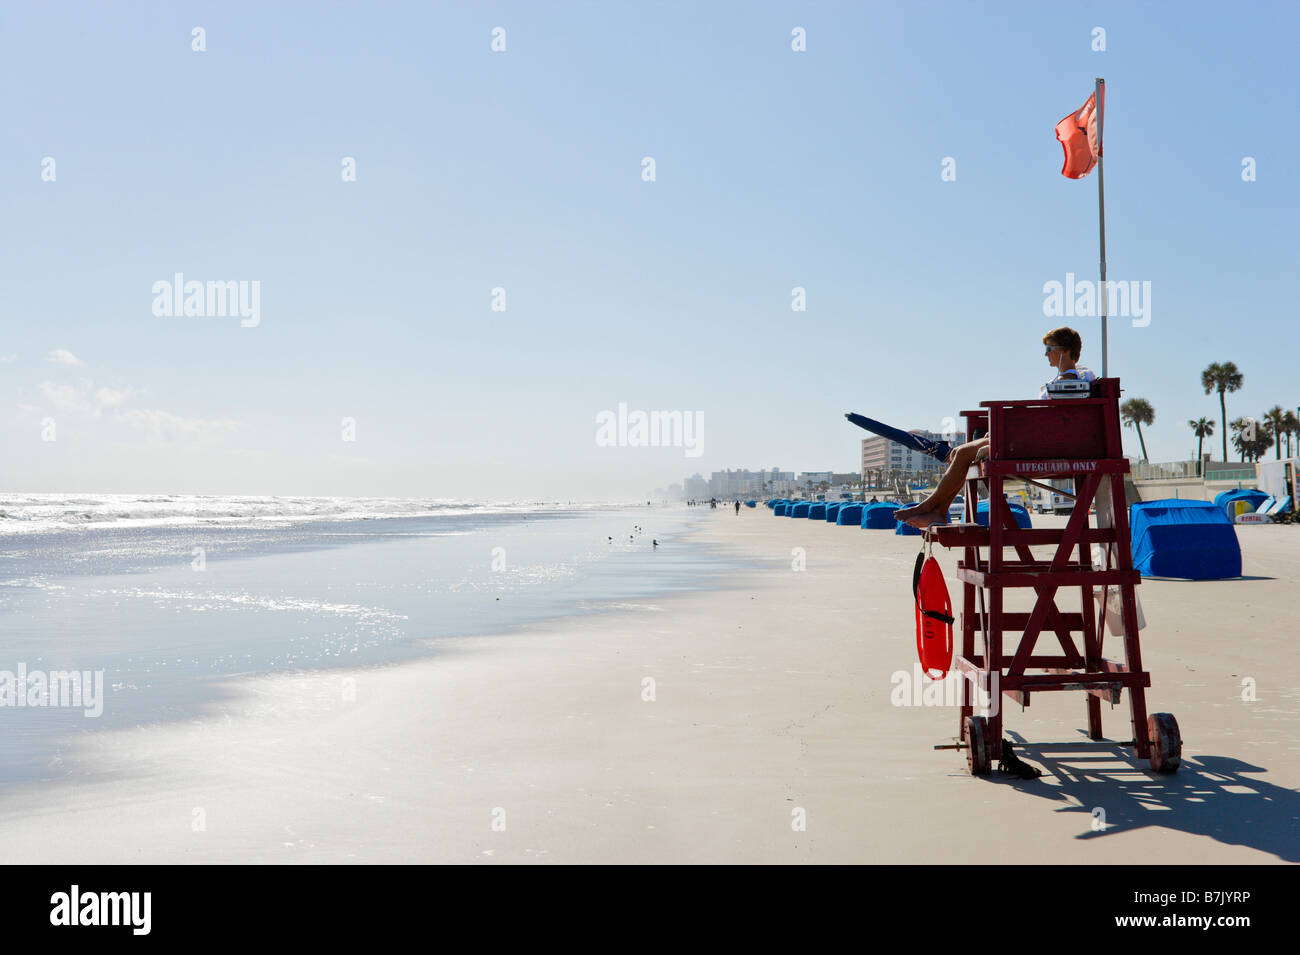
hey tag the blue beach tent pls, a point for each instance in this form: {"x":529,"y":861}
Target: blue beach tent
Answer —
{"x":800,"y":509}
{"x":1228,"y":498}
{"x":751,"y":503}
{"x":1019,"y":513}
{"x":779,"y":509}
{"x":1194,"y":540}
{"x":817,"y":512}
{"x":849,"y":515}
{"x":879,"y":516}
{"x":832,"y":511}
{"x":906,"y":530}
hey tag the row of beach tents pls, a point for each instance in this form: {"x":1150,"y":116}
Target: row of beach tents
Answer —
{"x":870,"y":515}
{"x":1195,"y":540}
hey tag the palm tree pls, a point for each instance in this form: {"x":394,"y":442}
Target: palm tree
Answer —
{"x":1290,"y":426}
{"x":1202,"y":428}
{"x":1251,"y":438}
{"x":1138,"y":411}
{"x":1222,"y":377}
{"x":1239,"y":427}
{"x":1263,"y":440}
{"x":1276,"y":419}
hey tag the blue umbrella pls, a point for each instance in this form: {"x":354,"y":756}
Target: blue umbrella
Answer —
{"x":936,"y":449}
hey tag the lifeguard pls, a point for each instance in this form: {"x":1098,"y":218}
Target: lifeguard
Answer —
{"x":1063,"y":346}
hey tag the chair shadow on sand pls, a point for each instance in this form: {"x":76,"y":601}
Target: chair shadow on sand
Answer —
{"x":1215,"y":796}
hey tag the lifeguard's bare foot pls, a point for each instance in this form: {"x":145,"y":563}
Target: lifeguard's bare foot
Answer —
{"x":923,"y":521}
{"x":916,"y":517}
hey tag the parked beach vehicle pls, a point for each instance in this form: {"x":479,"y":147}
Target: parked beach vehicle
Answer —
{"x":1051,"y":502}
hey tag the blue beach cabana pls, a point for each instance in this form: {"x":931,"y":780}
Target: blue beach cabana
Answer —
{"x":1194,"y":540}
{"x":1021,"y":515}
{"x":879,"y":516}
{"x":849,"y":515}
{"x":1227,"y":499}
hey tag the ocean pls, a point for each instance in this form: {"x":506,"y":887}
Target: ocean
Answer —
{"x":174,"y":598}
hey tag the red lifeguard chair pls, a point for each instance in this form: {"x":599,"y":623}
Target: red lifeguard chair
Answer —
{"x":1076,"y":438}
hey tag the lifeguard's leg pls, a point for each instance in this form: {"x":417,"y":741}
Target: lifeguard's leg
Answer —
{"x":935,"y":507}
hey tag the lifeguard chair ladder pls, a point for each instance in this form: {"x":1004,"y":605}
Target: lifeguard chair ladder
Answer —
{"x":1076,"y":438}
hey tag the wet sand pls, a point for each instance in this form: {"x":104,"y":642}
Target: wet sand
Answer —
{"x":771,"y":737}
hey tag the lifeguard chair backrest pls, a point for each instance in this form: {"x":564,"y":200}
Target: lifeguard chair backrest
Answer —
{"x":1076,"y":428}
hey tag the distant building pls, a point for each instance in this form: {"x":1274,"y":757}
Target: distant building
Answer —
{"x":743,"y":484}
{"x":881,"y":454}
{"x":727,"y":484}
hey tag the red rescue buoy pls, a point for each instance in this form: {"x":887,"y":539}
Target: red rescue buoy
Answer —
{"x":933,"y":618}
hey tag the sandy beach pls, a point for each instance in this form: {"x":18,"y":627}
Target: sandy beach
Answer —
{"x":771,"y":707}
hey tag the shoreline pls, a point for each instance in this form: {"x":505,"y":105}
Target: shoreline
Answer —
{"x":127,"y":604}
{"x":771,"y":704}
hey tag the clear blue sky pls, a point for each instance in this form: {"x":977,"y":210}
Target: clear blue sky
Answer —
{"x":522,"y":170}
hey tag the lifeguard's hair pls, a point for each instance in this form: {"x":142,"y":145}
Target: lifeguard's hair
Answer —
{"x":1067,"y":338}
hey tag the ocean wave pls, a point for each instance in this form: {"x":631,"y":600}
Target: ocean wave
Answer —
{"x":34,"y":513}
{"x":202,"y":600}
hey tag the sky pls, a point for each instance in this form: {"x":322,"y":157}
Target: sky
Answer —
{"x":377,"y":365}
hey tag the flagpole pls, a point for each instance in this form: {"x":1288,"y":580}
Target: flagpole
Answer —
{"x":1098,"y":101}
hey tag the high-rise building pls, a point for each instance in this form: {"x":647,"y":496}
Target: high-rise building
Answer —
{"x":695,"y":487}
{"x":881,"y":454}
{"x":740,"y":483}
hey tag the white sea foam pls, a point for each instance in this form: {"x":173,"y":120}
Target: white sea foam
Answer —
{"x":202,"y":600}
{"x":32,"y":513}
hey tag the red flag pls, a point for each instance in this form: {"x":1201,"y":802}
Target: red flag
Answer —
{"x":1078,"y":136}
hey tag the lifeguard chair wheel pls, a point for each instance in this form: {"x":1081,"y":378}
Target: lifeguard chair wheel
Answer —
{"x":1166,"y":742}
{"x":977,"y":746}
